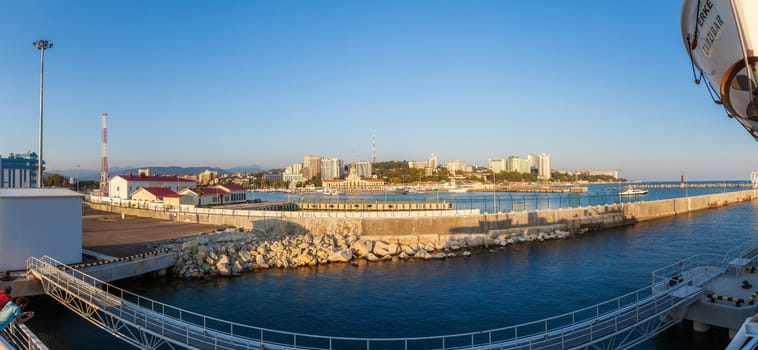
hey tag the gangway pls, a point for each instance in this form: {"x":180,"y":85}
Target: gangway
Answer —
{"x":619,"y":323}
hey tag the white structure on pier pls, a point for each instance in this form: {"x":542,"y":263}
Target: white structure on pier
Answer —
{"x":122,"y":186}
{"x":39,"y":221}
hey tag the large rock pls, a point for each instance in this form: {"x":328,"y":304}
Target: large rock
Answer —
{"x":360,"y":249}
{"x":382,"y":248}
{"x":222,"y":265}
{"x":244,"y":256}
{"x":422,"y":254}
{"x":305,"y":259}
{"x":350,"y":239}
{"x":189,"y":245}
{"x":342,"y":255}
{"x":203,"y":240}
{"x":237,"y":267}
{"x":372,"y":257}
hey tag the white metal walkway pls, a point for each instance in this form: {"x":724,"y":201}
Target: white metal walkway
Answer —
{"x":148,"y":324}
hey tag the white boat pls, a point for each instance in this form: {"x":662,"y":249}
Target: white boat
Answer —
{"x":721,"y":38}
{"x":455,"y":188}
{"x":631,"y":191}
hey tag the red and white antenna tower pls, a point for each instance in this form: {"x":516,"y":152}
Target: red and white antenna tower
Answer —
{"x":104,"y":164}
{"x":373,"y":148}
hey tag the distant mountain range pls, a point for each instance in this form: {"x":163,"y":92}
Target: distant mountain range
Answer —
{"x":89,"y":174}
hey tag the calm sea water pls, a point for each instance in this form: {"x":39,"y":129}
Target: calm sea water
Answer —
{"x":488,"y":202}
{"x":420,"y":298}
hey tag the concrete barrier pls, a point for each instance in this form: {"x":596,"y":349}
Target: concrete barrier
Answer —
{"x":443,"y":222}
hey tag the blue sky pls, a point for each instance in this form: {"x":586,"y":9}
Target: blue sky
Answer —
{"x":597,"y":84}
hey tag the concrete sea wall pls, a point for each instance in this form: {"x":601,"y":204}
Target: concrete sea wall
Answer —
{"x":442,"y":222}
{"x":287,"y":239}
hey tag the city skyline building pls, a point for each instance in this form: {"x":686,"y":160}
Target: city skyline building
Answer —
{"x":454,"y":166}
{"x":297,"y":168}
{"x":363,"y":169}
{"x":311,"y":166}
{"x":432,"y":161}
{"x":497,"y":165}
{"x":534,"y":162}
{"x":19,"y":170}
{"x":332,"y":168}
{"x":543,"y":171}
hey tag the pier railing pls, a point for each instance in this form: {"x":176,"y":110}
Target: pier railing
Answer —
{"x":623,"y":322}
{"x":682,"y":271}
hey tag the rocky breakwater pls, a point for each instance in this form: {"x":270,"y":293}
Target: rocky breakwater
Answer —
{"x":229,"y":252}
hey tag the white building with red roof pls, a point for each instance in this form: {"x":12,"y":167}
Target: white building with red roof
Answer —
{"x":123,"y":186}
{"x":216,"y":195}
{"x":234,"y":193}
{"x":153,"y":194}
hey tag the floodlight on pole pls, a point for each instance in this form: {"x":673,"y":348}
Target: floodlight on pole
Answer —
{"x":41,"y":45}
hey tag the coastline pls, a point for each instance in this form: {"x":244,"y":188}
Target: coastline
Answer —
{"x":280,"y":244}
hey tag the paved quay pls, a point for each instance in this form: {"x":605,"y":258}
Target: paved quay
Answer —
{"x":106,"y":233}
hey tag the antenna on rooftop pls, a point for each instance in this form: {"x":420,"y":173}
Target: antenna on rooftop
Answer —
{"x":104,"y":163}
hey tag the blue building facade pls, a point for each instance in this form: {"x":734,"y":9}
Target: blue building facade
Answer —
{"x":19,"y":170}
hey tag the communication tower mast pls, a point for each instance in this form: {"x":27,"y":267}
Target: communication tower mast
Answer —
{"x":104,"y":164}
{"x":373,"y":148}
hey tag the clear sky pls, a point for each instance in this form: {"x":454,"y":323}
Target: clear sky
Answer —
{"x":599,"y":85}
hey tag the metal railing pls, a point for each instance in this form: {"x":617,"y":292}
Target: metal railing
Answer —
{"x":624,"y":321}
{"x":686,"y":270}
{"x":19,"y":336}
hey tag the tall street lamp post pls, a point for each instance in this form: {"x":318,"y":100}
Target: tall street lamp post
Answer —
{"x":41,"y":45}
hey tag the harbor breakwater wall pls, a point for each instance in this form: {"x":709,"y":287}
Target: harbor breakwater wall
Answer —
{"x":442,"y":222}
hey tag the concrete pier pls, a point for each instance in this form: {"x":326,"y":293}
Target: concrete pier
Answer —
{"x":441,"y":222}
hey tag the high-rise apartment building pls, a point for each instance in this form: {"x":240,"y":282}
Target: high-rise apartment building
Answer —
{"x":432,"y":161}
{"x":496,"y":165}
{"x":544,"y":167}
{"x":332,"y":168}
{"x":454,"y":165}
{"x":534,"y":161}
{"x":311,"y":166}
{"x":295,"y":168}
{"x":19,"y":171}
{"x":518,"y":165}
{"x":512,"y":164}
{"x":363,"y":168}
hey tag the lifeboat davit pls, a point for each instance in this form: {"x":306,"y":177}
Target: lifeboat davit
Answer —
{"x":721,"y":37}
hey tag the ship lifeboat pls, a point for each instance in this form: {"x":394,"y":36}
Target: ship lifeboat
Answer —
{"x":721,"y":37}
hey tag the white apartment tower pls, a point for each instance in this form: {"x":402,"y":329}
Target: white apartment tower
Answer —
{"x":454,"y":165}
{"x":544,"y":167}
{"x":497,"y":165}
{"x":332,"y":168}
{"x":432,"y":161}
{"x":363,"y":168}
